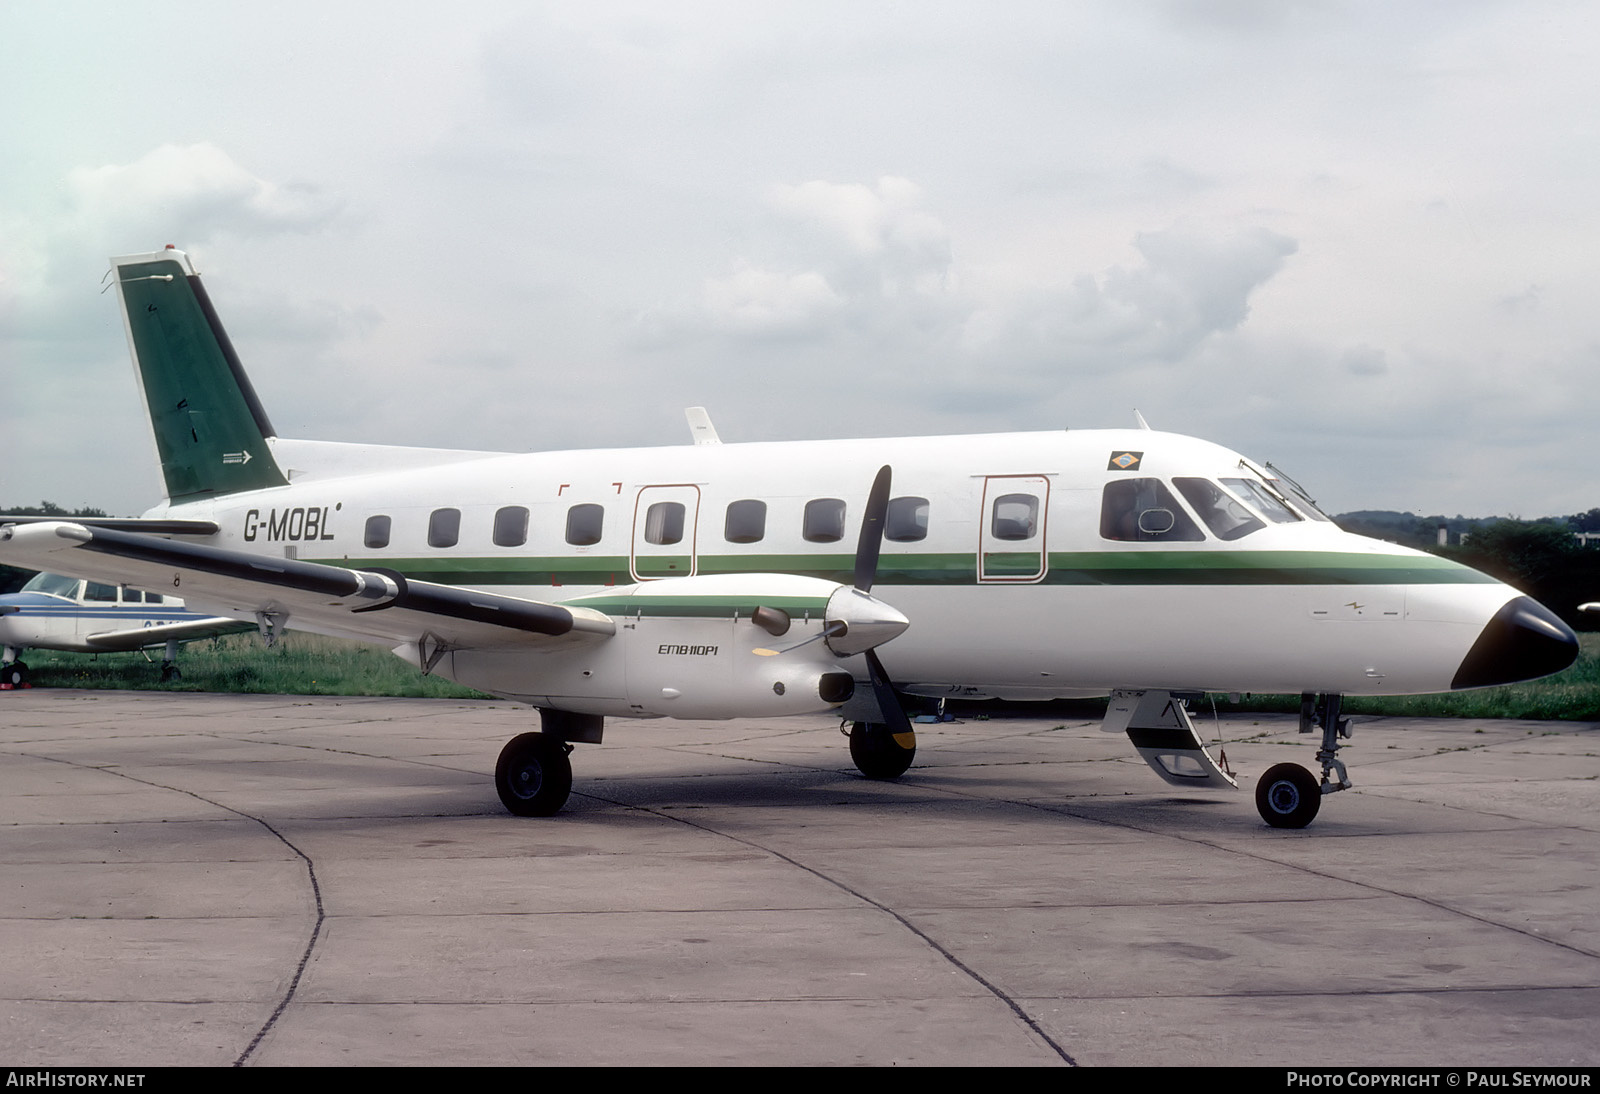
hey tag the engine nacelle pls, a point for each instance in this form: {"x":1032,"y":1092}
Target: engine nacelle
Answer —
{"x":719,"y":646}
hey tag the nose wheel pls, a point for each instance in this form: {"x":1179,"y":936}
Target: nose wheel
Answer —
{"x":1288,"y":796}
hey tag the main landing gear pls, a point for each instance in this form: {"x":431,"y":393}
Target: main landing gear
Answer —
{"x":1288,"y":795}
{"x":534,"y":775}
{"x":13,"y":675}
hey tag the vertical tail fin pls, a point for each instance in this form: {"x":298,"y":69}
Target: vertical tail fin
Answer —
{"x":211,"y":431}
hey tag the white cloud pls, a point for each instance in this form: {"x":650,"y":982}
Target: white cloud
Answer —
{"x":189,"y":193}
{"x":1192,"y":284}
{"x":753,"y":301}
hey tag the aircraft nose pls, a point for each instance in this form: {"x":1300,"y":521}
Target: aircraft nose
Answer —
{"x":1524,"y":640}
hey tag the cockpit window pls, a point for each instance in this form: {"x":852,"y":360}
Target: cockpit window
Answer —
{"x":1296,"y":495}
{"x":1223,"y":513}
{"x":1257,"y":494}
{"x":1144,"y":511}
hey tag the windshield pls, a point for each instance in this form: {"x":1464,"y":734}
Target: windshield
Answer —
{"x":1296,"y":494}
{"x":1257,"y":494}
{"x":54,"y":584}
{"x":1223,"y":514}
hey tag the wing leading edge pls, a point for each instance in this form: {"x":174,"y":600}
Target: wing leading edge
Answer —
{"x":372,"y":605}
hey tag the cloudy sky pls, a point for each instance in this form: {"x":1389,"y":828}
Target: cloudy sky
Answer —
{"x":1357,"y":239}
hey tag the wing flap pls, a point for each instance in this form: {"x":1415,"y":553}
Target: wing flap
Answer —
{"x":365,"y":604}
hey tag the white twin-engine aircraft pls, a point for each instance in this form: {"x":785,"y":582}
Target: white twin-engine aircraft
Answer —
{"x":722,"y":581}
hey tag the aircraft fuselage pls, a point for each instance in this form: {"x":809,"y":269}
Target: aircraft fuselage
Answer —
{"x":1014,"y":575}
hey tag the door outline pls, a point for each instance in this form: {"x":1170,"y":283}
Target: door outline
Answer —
{"x":661,"y":560}
{"x":991,"y":569}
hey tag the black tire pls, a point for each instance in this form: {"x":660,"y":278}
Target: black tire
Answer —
{"x":876,"y":753}
{"x":1288,"y":796}
{"x":533,"y":775}
{"x":15,"y":674}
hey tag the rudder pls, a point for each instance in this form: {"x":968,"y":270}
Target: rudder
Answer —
{"x":210,"y":428}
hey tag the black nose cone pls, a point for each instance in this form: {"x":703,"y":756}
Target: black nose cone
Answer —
{"x":1524,"y":640}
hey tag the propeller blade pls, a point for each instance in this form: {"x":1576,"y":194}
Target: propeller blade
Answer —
{"x":894,"y":714}
{"x":871,"y":541}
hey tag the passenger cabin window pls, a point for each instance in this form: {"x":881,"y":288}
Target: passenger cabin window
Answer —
{"x":154,"y":598}
{"x":824,"y":521}
{"x":584,"y":524}
{"x":1144,"y":511}
{"x":1223,"y":513}
{"x":1015,"y":517}
{"x":132,"y":596}
{"x":510,"y":526}
{"x":98,"y":592}
{"x":444,"y":528}
{"x":663,"y":523}
{"x":746,"y":521}
{"x":1258,"y":495}
{"x":906,"y":520}
{"x":377,"y":533}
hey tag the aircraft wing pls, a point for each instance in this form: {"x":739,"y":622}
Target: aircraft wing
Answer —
{"x":155,"y":526}
{"x":371,"y":605}
{"x":137,"y":638}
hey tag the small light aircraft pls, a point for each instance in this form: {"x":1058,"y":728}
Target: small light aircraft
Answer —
{"x":717,"y":581}
{"x":52,"y":612}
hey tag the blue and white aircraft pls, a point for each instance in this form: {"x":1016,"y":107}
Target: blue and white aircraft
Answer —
{"x":53,"y":612}
{"x":718,"y":581}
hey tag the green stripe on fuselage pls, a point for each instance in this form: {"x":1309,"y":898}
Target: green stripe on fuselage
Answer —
{"x":1066,"y":568}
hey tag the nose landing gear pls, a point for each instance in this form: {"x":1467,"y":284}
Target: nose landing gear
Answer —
{"x":1288,"y":795}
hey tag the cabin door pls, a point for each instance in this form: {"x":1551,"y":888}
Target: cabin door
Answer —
{"x":1011,"y":537}
{"x":665,"y":522}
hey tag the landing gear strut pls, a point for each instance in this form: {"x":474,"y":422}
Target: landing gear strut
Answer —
{"x":1288,"y":796}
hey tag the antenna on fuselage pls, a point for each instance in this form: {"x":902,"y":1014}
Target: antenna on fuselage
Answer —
{"x":700,"y":428}
{"x":1140,"y":419}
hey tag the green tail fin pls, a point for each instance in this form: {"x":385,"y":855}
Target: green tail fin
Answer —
{"x":211,"y":431}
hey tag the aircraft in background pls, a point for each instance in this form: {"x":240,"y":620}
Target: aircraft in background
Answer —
{"x":717,"y":580}
{"x":53,"y":612}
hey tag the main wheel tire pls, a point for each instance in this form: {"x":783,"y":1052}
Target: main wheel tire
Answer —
{"x":15,"y":674}
{"x":1288,"y":796}
{"x":876,"y":753}
{"x":533,"y":775}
